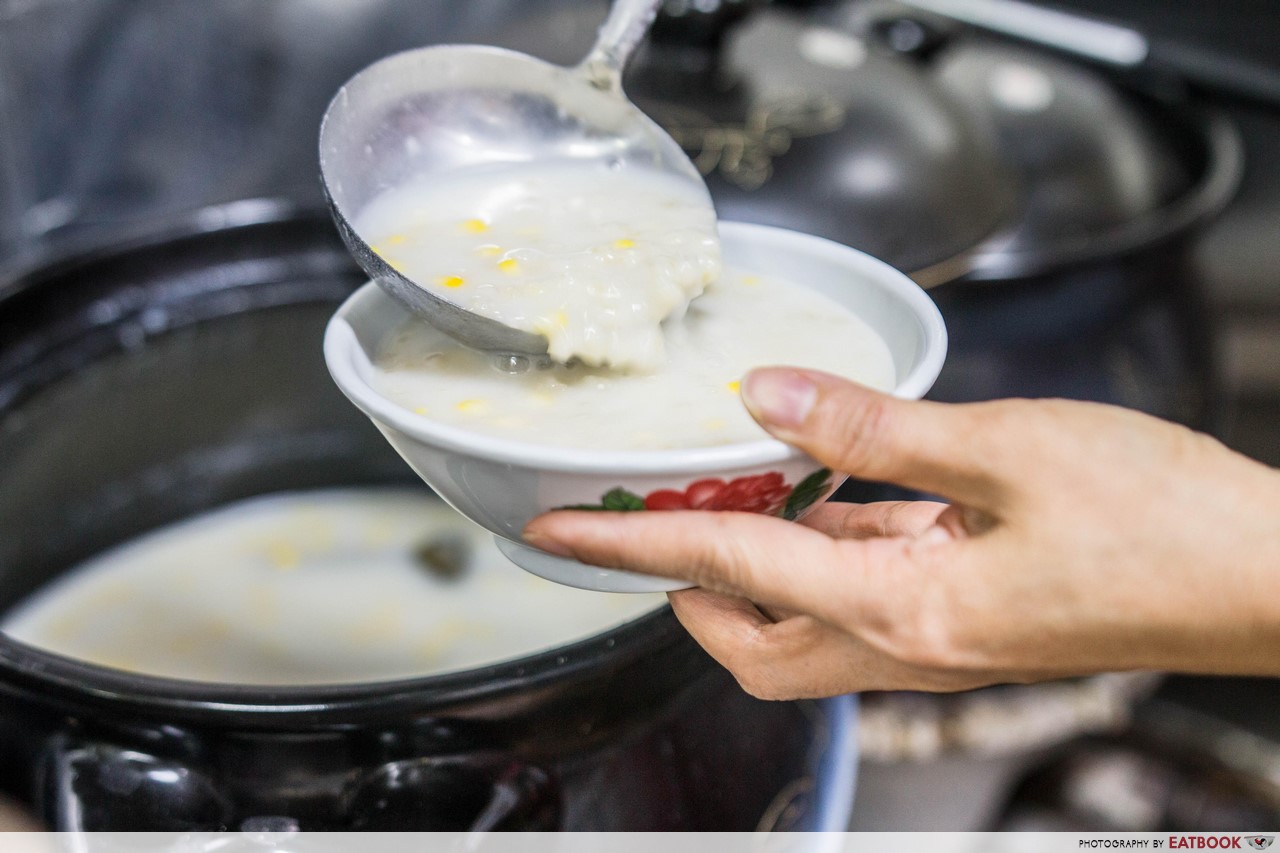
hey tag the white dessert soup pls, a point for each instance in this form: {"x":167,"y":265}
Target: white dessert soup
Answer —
{"x":741,"y":321}
{"x":592,"y":258}
{"x":334,"y":586}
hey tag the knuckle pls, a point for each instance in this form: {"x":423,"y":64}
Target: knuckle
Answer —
{"x":762,"y":686}
{"x":927,"y":639}
{"x":890,"y":524}
{"x":930,"y":648}
{"x":907,"y":615}
{"x":724,"y":555}
{"x":854,"y":434}
{"x":759,"y":665}
{"x":743,"y":651}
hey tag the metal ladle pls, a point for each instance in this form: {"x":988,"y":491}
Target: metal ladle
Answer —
{"x":439,"y":110}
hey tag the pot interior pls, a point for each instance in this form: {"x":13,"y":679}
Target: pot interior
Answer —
{"x":149,"y":386}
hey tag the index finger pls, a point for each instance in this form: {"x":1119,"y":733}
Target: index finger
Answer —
{"x":765,"y":559}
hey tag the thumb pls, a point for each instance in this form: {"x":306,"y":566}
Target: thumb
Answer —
{"x":934,"y":447}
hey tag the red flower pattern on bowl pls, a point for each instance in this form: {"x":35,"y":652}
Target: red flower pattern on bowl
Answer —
{"x":763,"y":493}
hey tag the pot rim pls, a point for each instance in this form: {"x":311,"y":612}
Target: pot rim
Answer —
{"x":29,"y":668}
{"x":1224,"y":169}
{"x":69,"y":253}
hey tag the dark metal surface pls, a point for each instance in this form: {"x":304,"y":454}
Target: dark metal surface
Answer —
{"x":798,"y":123}
{"x":119,"y":112}
{"x":146,"y":385}
{"x":1105,"y":172}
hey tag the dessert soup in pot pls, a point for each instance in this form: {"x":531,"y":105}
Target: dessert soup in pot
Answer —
{"x":174,"y":389}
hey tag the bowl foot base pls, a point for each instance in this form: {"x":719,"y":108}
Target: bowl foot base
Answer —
{"x":572,"y":573}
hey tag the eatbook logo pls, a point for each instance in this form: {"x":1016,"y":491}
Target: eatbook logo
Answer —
{"x":1261,"y":842}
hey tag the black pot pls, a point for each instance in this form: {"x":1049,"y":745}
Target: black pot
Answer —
{"x":143,"y":385}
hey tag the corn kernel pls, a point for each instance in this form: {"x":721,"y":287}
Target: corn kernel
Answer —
{"x":383,"y":624}
{"x":283,"y":556}
{"x":451,"y":281}
{"x":475,"y":226}
{"x":420,"y":410}
{"x":624,"y":244}
{"x":396,"y":239}
{"x":473,"y":406}
{"x":735,"y":386}
{"x":510,"y":266}
{"x":488,"y":250}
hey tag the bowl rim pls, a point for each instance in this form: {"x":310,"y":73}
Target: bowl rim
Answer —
{"x":341,"y":347}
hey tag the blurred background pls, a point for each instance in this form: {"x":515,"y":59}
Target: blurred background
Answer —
{"x":1089,"y":230}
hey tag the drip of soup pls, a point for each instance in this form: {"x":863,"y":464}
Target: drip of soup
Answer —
{"x":310,"y":588}
{"x":741,"y":321}
{"x":593,"y":259}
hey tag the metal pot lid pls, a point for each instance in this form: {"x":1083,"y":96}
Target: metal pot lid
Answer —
{"x":803,"y":125}
{"x":1105,"y":171}
{"x":1090,"y":159}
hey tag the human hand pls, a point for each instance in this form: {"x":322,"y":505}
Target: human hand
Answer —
{"x":1080,"y":538}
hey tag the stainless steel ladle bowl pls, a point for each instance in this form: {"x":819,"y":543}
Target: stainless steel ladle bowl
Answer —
{"x":441,"y":110}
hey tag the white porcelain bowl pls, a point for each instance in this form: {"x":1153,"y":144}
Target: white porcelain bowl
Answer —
{"x":501,"y":484}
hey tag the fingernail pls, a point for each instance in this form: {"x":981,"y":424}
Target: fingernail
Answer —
{"x":779,"y":397}
{"x":543,"y":542}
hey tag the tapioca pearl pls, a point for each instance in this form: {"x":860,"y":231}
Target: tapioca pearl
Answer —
{"x":614,"y":257}
{"x":680,"y":240}
{"x":687,"y":271}
{"x":669,"y":291}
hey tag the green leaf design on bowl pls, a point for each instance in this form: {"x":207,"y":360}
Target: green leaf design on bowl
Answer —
{"x":810,"y":490}
{"x":614,"y":500}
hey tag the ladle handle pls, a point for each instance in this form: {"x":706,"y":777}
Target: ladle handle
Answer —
{"x":626,"y":25}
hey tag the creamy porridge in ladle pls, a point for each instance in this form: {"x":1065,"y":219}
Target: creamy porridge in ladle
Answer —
{"x":592,"y":259}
